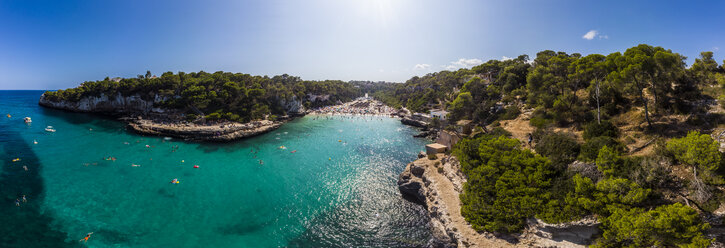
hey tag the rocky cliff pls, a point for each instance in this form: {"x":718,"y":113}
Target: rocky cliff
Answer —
{"x":437,"y":184}
{"x":293,"y":106}
{"x":136,"y":106}
{"x":117,"y":104}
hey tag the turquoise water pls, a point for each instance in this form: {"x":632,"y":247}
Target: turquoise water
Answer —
{"x":337,"y":190}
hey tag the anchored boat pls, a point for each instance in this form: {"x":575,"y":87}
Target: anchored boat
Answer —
{"x":50,"y":129}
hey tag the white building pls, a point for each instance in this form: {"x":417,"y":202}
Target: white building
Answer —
{"x":441,"y":114}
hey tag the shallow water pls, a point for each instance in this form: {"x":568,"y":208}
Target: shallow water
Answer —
{"x":337,"y":190}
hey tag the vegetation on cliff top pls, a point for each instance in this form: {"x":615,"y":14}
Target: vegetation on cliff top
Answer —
{"x":219,"y":95}
{"x":577,"y":106}
{"x":567,"y":89}
{"x":508,"y":185}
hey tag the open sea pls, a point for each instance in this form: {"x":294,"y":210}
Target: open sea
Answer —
{"x":322,"y":182}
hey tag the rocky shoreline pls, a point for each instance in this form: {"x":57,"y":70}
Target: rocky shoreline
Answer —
{"x":144,"y":118}
{"x":437,"y":184}
{"x":227,"y":131}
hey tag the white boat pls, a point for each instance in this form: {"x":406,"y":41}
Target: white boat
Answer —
{"x":27,"y":120}
{"x":50,"y":129}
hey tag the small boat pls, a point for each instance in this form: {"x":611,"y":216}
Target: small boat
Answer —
{"x":35,"y":142}
{"x":50,"y":129}
{"x":27,"y":120}
{"x":167,"y":138}
{"x":9,"y":116}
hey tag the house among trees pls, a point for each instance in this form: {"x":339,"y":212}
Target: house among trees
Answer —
{"x":441,"y":114}
{"x":464,"y":127}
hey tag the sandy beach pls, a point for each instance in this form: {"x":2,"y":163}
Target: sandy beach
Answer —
{"x":357,"y":107}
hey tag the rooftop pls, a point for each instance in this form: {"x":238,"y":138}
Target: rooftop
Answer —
{"x":436,"y":146}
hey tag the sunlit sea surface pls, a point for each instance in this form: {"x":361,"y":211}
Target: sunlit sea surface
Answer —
{"x":315,"y":182}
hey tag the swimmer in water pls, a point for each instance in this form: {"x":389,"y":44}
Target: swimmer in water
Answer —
{"x":85,"y":239}
{"x":175,"y":180}
{"x":24,"y":199}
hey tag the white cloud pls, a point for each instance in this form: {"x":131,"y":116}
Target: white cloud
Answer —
{"x":381,"y":70}
{"x":419,"y":67}
{"x":462,"y":63}
{"x":604,"y":37}
{"x":590,"y":35}
{"x":716,"y":49}
{"x":504,"y":58}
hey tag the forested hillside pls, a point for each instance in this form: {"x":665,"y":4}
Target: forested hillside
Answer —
{"x":225,"y":95}
{"x":628,"y":137}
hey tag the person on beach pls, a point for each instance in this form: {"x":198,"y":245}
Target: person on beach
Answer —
{"x":85,"y":239}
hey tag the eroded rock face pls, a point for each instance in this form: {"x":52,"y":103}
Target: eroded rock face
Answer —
{"x":414,"y":185}
{"x":411,"y":184}
{"x":108,"y":104}
{"x":293,"y":106}
{"x":415,"y":123}
{"x":572,"y":234}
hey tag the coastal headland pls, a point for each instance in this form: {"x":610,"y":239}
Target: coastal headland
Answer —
{"x":144,"y":117}
{"x":437,"y":184}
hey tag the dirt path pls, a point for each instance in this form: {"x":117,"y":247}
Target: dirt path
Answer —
{"x":450,"y":198}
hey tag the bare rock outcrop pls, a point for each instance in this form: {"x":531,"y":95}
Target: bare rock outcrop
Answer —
{"x":109,"y":104}
{"x":411,"y":122}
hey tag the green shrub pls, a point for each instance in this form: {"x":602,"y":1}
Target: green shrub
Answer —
{"x":700,"y":152}
{"x":672,"y":225}
{"x":506,"y":185}
{"x":590,"y":148}
{"x":560,"y":148}
{"x":609,"y":162}
{"x":540,"y":122}
{"x":510,"y":113}
{"x":440,"y":170}
{"x":499,"y":131}
{"x":599,"y":197}
{"x":595,"y":129}
{"x":432,"y":157}
{"x":213,"y":116}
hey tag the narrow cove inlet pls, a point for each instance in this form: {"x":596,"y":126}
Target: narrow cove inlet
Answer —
{"x":362,"y":123}
{"x":317,"y":181}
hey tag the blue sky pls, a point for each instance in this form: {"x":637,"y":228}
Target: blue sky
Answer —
{"x":59,"y":44}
